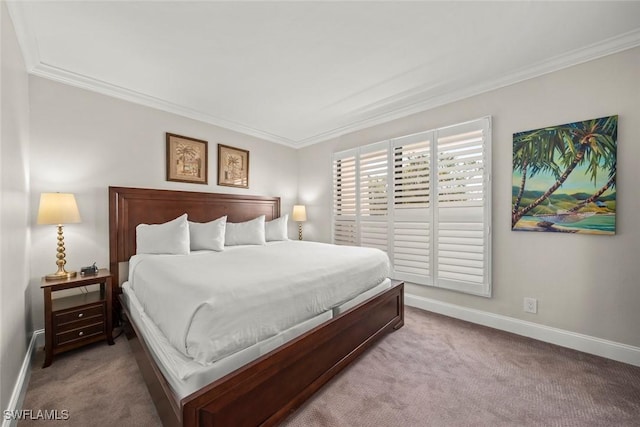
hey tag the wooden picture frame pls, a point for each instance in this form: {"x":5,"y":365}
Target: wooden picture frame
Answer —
{"x":187,"y":159}
{"x":233,"y":166}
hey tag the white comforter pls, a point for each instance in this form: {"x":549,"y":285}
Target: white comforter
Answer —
{"x":212,"y":304}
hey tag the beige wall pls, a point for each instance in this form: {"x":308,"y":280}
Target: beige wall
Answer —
{"x":585,"y":284}
{"x":83,"y":142}
{"x":15,"y":326}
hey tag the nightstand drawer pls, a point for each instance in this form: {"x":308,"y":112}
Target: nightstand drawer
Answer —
{"x":78,"y":315}
{"x":77,"y":324}
{"x":80,"y":333}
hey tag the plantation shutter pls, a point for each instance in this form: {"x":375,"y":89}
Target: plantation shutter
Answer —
{"x":411,"y":235}
{"x":373,"y":174}
{"x":345,"y":205}
{"x":425,"y":199}
{"x":462,"y":219}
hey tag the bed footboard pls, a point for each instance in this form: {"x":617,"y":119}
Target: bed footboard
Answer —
{"x":267,"y":390}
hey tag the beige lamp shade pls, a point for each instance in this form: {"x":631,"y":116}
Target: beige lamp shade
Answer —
{"x":299,"y":213}
{"x":58,"y":208}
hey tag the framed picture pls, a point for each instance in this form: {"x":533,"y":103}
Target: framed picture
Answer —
{"x":233,"y":166}
{"x":186,"y":159}
{"x":564,"y":178}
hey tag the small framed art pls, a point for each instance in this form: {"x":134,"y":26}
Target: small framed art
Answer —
{"x":233,"y":166}
{"x":186,"y":159}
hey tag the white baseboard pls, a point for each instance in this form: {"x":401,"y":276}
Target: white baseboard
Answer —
{"x":585,"y":343}
{"x":22,"y":382}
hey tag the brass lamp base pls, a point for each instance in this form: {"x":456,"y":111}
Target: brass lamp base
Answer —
{"x":60,"y":275}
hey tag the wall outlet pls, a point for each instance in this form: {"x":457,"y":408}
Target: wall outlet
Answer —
{"x":531,"y":305}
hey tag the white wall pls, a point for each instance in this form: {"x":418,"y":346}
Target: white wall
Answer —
{"x":14,"y":209}
{"x":584,"y":283}
{"x":83,"y":142}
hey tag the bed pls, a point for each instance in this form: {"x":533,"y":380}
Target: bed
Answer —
{"x":287,"y":369}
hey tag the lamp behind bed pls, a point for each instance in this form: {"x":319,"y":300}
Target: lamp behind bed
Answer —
{"x":299,"y":215}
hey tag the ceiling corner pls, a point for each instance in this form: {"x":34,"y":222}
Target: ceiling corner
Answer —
{"x":26,"y":38}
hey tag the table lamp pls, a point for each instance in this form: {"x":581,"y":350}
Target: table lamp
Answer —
{"x":59,"y":209}
{"x":300,"y":216}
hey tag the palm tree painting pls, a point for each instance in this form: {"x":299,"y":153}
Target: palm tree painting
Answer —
{"x":186,"y":159}
{"x":233,"y":166}
{"x":564,"y":178}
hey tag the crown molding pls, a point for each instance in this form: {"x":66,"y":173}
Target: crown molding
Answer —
{"x":412,"y":102}
{"x":409,"y":102}
{"x":26,"y":39}
{"x":105,"y":88}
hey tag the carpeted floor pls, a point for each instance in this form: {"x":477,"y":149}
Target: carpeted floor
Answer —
{"x":99,"y":385}
{"x":435,"y":371}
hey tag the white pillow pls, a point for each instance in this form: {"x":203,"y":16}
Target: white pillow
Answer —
{"x":208,"y":235}
{"x":276,"y":229}
{"x":169,"y":238}
{"x":245,"y":233}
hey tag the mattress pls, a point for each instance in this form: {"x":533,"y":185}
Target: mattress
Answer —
{"x":386,"y":284}
{"x":211,"y":305}
{"x":186,"y":376}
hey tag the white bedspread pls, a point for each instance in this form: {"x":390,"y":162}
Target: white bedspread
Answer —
{"x":212,"y":304}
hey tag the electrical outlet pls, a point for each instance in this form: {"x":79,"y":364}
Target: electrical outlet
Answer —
{"x":531,"y":305}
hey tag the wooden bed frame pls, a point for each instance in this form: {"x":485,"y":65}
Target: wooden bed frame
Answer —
{"x":271,"y":387}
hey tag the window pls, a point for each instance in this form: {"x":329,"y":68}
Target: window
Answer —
{"x":425,"y":199}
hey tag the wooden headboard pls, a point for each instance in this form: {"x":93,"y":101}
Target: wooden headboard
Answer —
{"x":129,"y":207}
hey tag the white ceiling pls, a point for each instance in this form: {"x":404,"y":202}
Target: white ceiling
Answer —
{"x":302,"y":72}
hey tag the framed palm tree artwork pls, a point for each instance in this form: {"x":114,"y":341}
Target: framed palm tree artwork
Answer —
{"x":187,"y":159}
{"x":233,"y":166}
{"x":564,"y":178}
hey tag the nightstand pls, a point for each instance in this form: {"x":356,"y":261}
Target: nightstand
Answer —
{"x":77,"y":320}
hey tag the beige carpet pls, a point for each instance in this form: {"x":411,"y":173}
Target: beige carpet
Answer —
{"x":435,"y":371}
{"x":99,"y":385}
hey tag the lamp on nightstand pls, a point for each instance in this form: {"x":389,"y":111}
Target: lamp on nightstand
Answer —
{"x":299,"y":215}
{"x":59,"y":209}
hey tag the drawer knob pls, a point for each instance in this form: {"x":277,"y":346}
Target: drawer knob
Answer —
{"x":80,"y":333}
{"x":80,"y":315}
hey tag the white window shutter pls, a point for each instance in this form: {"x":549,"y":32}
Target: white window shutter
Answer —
{"x":345,"y":206}
{"x":373,"y":181}
{"x":411,"y":171}
{"x":411,"y":237}
{"x":411,"y":254}
{"x":462,"y":217}
{"x":425,"y":199}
